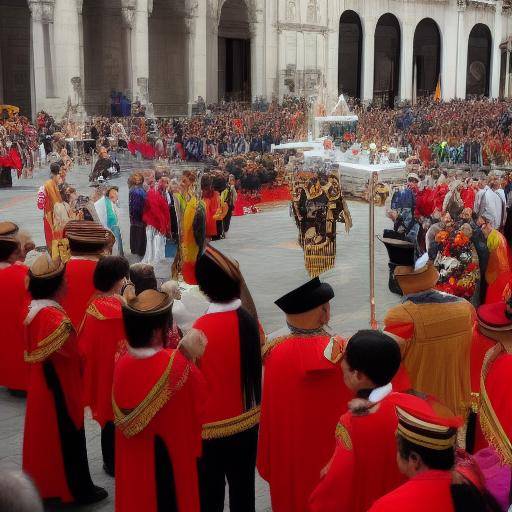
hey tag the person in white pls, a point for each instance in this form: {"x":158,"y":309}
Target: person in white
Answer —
{"x":487,"y":201}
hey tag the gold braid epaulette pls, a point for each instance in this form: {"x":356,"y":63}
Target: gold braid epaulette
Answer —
{"x":490,"y":423}
{"x":269,"y":345}
{"x":232,"y":426}
{"x":95,"y":312}
{"x":138,"y":418}
{"x":343,"y":436}
{"x":53,"y":342}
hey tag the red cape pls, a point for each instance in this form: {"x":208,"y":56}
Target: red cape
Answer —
{"x":79,"y":289}
{"x":212,"y":204}
{"x":42,"y":443}
{"x":156,"y":212}
{"x":425,"y":492}
{"x":101,"y":342}
{"x":13,"y":310}
{"x":177,"y":424}
{"x":303,"y":397}
{"x":363,"y":467}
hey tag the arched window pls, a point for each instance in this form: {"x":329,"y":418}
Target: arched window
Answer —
{"x":479,"y":61}
{"x":386,"y":76}
{"x":427,"y":57}
{"x":349,"y":55}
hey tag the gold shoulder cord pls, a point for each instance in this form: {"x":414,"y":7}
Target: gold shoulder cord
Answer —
{"x":94,"y":311}
{"x":269,"y":345}
{"x":343,"y":436}
{"x":232,"y":426}
{"x":138,"y":418}
{"x":53,"y":342}
{"x":490,"y":423}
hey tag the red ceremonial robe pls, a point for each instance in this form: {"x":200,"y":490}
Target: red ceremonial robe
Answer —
{"x":158,"y":434}
{"x":363,"y":467}
{"x":303,"y":397}
{"x":79,"y":288}
{"x":54,"y":450}
{"x":425,"y":492}
{"x":101,"y":342}
{"x":13,"y":310}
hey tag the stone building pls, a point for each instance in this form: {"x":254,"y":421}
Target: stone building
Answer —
{"x":170,"y":52}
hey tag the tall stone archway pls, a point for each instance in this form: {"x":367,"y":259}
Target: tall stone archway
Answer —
{"x":479,"y":61}
{"x":106,"y":50}
{"x":15,"y":82}
{"x":427,"y":57}
{"x":350,"y":54}
{"x":168,"y":64}
{"x":234,"y":52}
{"x":386,"y":76}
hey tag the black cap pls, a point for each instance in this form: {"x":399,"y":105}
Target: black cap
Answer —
{"x":306,"y":297}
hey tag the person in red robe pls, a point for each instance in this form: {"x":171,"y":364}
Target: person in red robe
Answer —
{"x":495,"y":412}
{"x":426,"y":455}
{"x":303,"y":396}
{"x":231,"y":366}
{"x":366,"y":432}
{"x":157,"y":396}
{"x":211,"y":199}
{"x":101,"y":341}
{"x":88,"y":241}
{"x":13,"y":369}
{"x":54,"y":449}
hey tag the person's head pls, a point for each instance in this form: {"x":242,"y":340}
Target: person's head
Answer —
{"x":485,"y":223}
{"x":45,"y":278}
{"x":88,"y":238}
{"x":18,"y":493}
{"x":136,"y":179}
{"x":147,"y":319}
{"x":9,"y":242}
{"x":174,"y":186}
{"x":111,"y":274}
{"x":143,"y":277}
{"x":163,"y":183}
{"x":102,"y":152}
{"x":113,"y":194}
{"x":55,"y":172}
{"x":232,"y":179}
{"x":466,"y":214}
{"x":482,"y":183}
{"x":371,"y":360}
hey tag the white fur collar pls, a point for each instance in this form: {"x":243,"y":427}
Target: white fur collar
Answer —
{"x":37,"y":305}
{"x":378,"y":394}
{"x":224,"y":308}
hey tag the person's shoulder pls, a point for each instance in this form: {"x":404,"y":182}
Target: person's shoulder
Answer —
{"x":105,"y":308}
{"x":396,"y":500}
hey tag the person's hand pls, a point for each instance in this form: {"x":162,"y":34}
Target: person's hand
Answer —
{"x":193,"y":344}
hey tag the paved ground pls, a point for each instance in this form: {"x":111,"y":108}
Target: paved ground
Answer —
{"x":265,"y":246}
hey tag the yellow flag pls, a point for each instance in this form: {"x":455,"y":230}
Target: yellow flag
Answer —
{"x":437,"y":94}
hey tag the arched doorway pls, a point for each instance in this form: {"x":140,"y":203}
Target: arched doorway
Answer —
{"x":234,"y":52}
{"x":15,"y":55}
{"x":479,"y":61}
{"x":168,"y":58}
{"x":427,"y":57}
{"x":349,"y":54}
{"x":386,"y":76}
{"x":106,"y":55}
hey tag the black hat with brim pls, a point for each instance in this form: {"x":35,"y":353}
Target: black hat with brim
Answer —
{"x":306,"y":297}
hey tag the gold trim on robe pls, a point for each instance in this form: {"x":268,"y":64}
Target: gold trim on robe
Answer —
{"x":232,"y":426}
{"x":343,"y":436}
{"x":53,"y":342}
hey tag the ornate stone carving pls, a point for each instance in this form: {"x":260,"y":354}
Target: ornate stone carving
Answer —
{"x":128,"y":15}
{"x":42,"y":10}
{"x":79,"y":6}
{"x":291,"y":11}
{"x":312,"y":12}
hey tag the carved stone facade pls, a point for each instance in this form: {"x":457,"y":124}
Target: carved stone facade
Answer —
{"x":169,"y":52}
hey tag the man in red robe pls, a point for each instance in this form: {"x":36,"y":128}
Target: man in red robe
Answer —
{"x":366,"y":432}
{"x":495,"y":411}
{"x":303,"y":397}
{"x":54,"y":449}
{"x":157,"y":394}
{"x":13,"y":369}
{"x":231,"y":366}
{"x":426,"y":456}
{"x":101,"y":341}
{"x":88,"y":241}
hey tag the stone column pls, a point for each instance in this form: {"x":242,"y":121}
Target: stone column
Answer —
{"x":42,"y":12}
{"x":368,"y":59}
{"x":406,"y":61}
{"x":507,"y":69}
{"x":462,"y":52}
{"x":494,"y":91}
{"x":333,"y":41}
{"x":79,"y":7}
{"x":281,"y":60}
{"x":128,"y":11}
{"x":257,"y":30}
{"x":140,"y":55}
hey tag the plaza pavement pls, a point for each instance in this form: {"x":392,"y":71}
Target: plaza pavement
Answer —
{"x":265,"y":245}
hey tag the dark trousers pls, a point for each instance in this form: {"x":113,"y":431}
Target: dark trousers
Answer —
{"x":233,"y":459}
{"x":108,"y":436}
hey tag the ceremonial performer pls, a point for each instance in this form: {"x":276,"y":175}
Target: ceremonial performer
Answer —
{"x":13,"y":369}
{"x":435,"y":331}
{"x":157,"y":397}
{"x":231,"y":366}
{"x":366,"y":432}
{"x":136,"y":202}
{"x":426,"y":455}
{"x":495,"y":412}
{"x":54,"y":449}
{"x":88,"y":241}
{"x":51,"y":198}
{"x":101,"y":341}
{"x":303,"y":397}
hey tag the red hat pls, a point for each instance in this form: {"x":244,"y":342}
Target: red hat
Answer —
{"x":496,"y":316}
